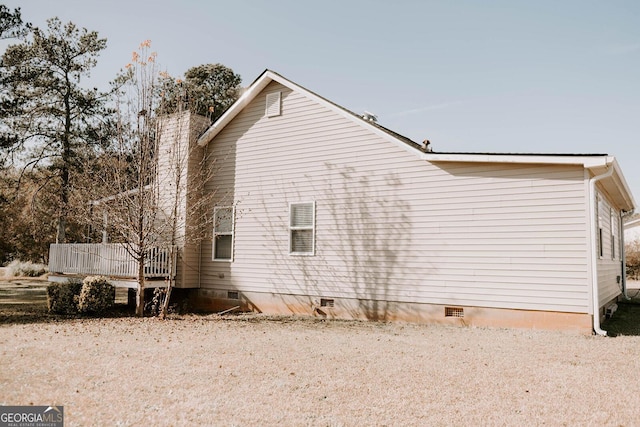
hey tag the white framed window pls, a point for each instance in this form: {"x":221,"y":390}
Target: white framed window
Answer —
{"x":614,"y":235}
{"x":601,"y":207}
{"x":223,"y":227}
{"x":302,"y":221}
{"x":272,"y":108}
{"x":608,"y":230}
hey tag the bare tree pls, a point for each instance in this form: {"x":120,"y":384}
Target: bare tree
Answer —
{"x":155,"y":175}
{"x":632,"y":258}
{"x":130,"y":194}
{"x":184,"y":206}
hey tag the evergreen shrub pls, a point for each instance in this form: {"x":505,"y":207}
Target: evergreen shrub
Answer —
{"x":62,"y":298}
{"x":96,"y":296}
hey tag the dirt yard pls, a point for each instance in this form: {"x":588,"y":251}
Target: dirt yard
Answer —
{"x":257,"y":370}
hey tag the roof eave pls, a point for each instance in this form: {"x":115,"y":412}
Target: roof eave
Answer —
{"x":260,"y":83}
{"x":588,"y":161}
{"x":267,"y":77}
{"x":622,"y":184}
{"x":595,"y":163}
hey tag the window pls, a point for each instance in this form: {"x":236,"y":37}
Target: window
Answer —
{"x":273,"y":104}
{"x":600,"y":242}
{"x":223,"y":234}
{"x":602,"y":208}
{"x":608,"y":230}
{"x":302,"y":228}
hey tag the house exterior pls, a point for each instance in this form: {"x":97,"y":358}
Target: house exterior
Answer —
{"x":323,"y":212}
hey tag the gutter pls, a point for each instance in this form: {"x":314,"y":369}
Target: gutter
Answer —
{"x":594,"y":250}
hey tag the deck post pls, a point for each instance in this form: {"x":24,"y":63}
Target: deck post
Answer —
{"x":105,"y":236}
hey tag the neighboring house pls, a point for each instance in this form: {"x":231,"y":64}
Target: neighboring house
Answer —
{"x":632,"y":228}
{"x":323,"y":212}
{"x":632,"y":244}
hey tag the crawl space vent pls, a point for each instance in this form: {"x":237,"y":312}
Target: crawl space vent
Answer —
{"x":273,"y":104}
{"x":233,"y":295}
{"x":324,"y":302}
{"x":453,"y":312}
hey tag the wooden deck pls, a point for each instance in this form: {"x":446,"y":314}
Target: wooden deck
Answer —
{"x":111,"y":260}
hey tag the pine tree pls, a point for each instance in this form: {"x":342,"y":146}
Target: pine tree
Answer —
{"x":50,"y":119}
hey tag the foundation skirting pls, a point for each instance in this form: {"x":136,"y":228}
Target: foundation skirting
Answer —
{"x":211,"y":300}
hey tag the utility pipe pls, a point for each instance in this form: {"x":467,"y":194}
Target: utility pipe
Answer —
{"x":594,"y":250}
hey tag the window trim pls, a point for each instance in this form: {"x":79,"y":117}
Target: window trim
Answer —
{"x":312,"y":228}
{"x":216,"y":233}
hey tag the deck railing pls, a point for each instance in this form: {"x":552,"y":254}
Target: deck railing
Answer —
{"x":108,"y":259}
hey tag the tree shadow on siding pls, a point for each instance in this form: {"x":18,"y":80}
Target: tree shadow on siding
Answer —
{"x":289,"y":277}
{"x":362,"y":237}
{"x":373,"y":238}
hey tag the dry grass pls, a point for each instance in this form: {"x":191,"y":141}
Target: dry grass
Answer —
{"x":257,"y":370}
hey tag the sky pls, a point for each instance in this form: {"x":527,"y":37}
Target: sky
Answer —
{"x":505,"y":76}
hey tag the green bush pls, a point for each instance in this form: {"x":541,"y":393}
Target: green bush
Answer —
{"x":97,"y":295}
{"x":26,"y":269}
{"x":62,"y":298}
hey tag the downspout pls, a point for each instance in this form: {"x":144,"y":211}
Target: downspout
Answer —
{"x":594,"y":250}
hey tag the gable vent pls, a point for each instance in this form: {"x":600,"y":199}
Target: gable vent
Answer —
{"x":453,"y":312}
{"x":273,"y":104}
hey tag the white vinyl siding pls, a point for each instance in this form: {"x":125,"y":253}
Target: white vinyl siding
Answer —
{"x":179,"y":160}
{"x":223,"y":234}
{"x":390,"y":226}
{"x":301,"y":228}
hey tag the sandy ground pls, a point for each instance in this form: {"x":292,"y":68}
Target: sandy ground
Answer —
{"x":257,"y":370}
